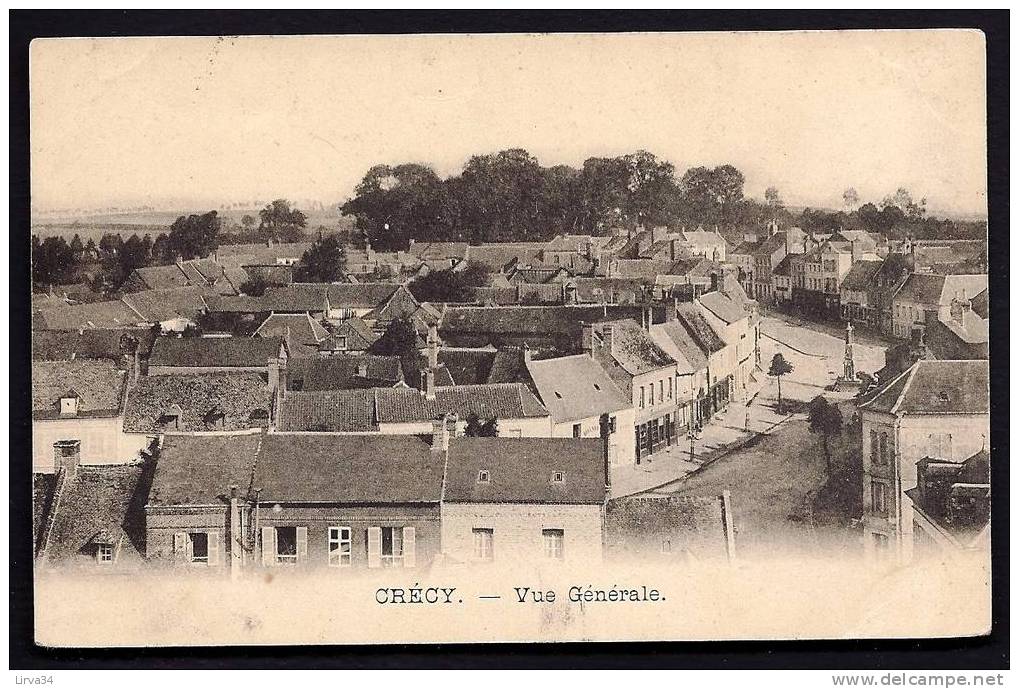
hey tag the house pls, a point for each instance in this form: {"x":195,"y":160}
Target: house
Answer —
{"x":662,"y":528}
{"x":782,"y":281}
{"x":952,"y":504}
{"x":95,"y":524}
{"x":197,"y":403}
{"x":298,"y":297}
{"x":267,"y":253}
{"x":448,"y":252}
{"x":502,"y":257}
{"x":583,"y":402}
{"x":78,"y":410}
{"x":766,"y":256}
{"x":203,"y":273}
{"x":719,"y":379}
{"x":97,"y":315}
{"x":176,"y":355}
{"x":173,"y":309}
{"x":373,"y":301}
{"x":937,"y":410}
{"x":923,"y":294}
{"x":706,"y":243}
{"x":521,"y":502}
{"x":350,"y":336}
{"x":119,"y":345}
{"x":740,"y":332}
{"x":600,"y":290}
{"x":645,"y":374}
{"x":344,"y":372}
{"x":283,"y":501}
{"x":534,"y":275}
{"x":691,"y":372}
{"x":817,"y":276}
{"x":854,"y":292}
{"x":405,"y":411}
{"x":297,"y":328}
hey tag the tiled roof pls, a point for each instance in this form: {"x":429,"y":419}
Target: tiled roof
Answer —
{"x":467,"y":367}
{"x":348,"y":469}
{"x":497,"y":257}
{"x":99,"y":386}
{"x":499,"y":400}
{"x":861,"y":276}
{"x":301,"y":328}
{"x":677,"y":342}
{"x":634,"y":526}
{"x":922,"y":289}
{"x":575,"y":387}
{"x":783,"y":267}
{"x":161,"y":277}
{"x":98,"y":505}
{"x":540,"y":320}
{"x":536,"y":276}
{"x":158,"y":305}
{"x":237,"y":304}
{"x":344,"y":372}
{"x":199,"y":470}
{"x":699,"y":328}
{"x":632,"y":347}
{"x":237,"y":254}
{"x":358,"y":336}
{"x":296,"y":297}
{"x":612,"y":290}
{"x":936,"y":387}
{"x":213,"y":352}
{"x":971,"y":328}
{"x":980,"y":305}
{"x":438,"y":250}
{"x":520,"y":470}
{"x":114,"y":343}
{"x":368,"y":295}
{"x":507,"y":366}
{"x":350,"y":411}
{"x":203,"y":402}
{"x":723,"y":307}
{"x":102,"y":314}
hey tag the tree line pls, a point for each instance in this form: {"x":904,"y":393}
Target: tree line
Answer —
{"x":510,"y":196}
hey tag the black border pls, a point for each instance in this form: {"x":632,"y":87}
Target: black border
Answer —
{"x":989,"y":652}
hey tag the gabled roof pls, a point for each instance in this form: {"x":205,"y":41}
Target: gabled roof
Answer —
{"x":980,"y":305}
{"x":438,"y":250}
{"x":612,"y":290}
{"x":113,"y":344}
{"x":922,"y":288}
{"x":498,"y":257}
{"x":699,"y":328}
{"x":676,"y":341}
{"x":296,"y":297}
{"x":204,"y":402}
{"x":467,"y":366}
{"x":102,"y":314}
{"x":367,"y":295}
{"x":542,"y":321}
{"x":301,"y":328}
{"x":723,"y":307}
{"x":861,"y":276}
{"x":499,"y":400}
{"x":632,"y":347}
{"x":157,"y":305}
{"x":161,"y":277}
{"x":520,"y":470}
{"x":936,"y":387}
{"x":358,"y":336}
{"x":783,"y":269}
{"x":348,"y":469}
{"x":346,"y":411}
{"x":575,"y":387}
{"x":344,"y":372}
{"x":199,"y":470}
{"x":238,"y":254}
{"x":98,"y":506}
{"x":213,"y":352}
{"x":99,"y":386}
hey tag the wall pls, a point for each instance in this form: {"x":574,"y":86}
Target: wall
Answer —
{"x":182,"y":370}
{"x":540,"y":427}
{"x":161,"y":523}
{"x":103,"y":441}
{"x":621,"y":443}
{"x":517,"y":531}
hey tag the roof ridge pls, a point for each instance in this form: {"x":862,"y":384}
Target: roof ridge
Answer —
{"x":905,"y":388}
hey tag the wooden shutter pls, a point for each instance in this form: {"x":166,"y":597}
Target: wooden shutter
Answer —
{"x":374,"y":546}
{"x":409,"y":547}
{"x":214,"y":548}
{"x":268,"y":546}
{"x":302,"y":543}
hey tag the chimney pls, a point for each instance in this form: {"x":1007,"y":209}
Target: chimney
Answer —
{"x":236,"y":537}
{"x":571,"y":293}
{"x":672,"y":250}
{"x":67,"y":455}
{"x":645,"y":317}
{"x":714,"y":282}
{"x":527,"y":354}
{"x":440,"y":434}
{"x":608,"y":462}
{"x":362,"y":369}
{"x":430,"y":384}
{"x":433,"y":347}
{"x":274,"y":373}
{"x":606,"y":334}
{"x":857,"y":250}
{"x":587,"y":338}
{"x":136,"y":368}
{"x":671,"y":311}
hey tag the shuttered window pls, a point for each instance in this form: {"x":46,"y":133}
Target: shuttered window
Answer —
{"x":392,"y":546}
{"x":268,"y":546}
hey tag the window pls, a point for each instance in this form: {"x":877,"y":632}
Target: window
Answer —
{"x":553,"y":540}
{"x":884,"y":448}
{"x":612,"y":424}
{"x":199,"y":547}
{"x":878,"y":498}
{"x":661,"y":391}
{"x":483,"y":544}
{"x":875,"y":448}
{"x":392,"y":546}
{"x":558,"y":477}
{"x":484,"y":476}
{"x":339,"y":546}
{"x":104,"y":553}
{"x":286,"y":545}
{"x":641,"y":396}
{"x":651,"y":394}
{"x":670,"y":387}
{"x":577,"y":430}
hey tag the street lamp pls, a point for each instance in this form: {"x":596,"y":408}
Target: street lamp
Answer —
{"x":692,"y":436}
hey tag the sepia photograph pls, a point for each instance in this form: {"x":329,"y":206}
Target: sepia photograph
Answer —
{"x":510,"y":337}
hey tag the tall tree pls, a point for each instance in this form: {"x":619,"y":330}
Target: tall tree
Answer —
{"x":324,"y":261}
{"x":850,"y":199}
{"x":195,"y":236}
{"x":281,"y":223}
{"x":651,"y":187}
{"x":248,"y":222}
{"x":779,"y":367}
{"x":52,"y":261}
{"x":394,"y":204}
{"x":772,"y":197}
{"x":825,"y":420}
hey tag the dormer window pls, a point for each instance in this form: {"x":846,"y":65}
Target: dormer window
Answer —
{"x":104,"y":553}
{"x":558,"y":477}
{"x":484,"y":476}
{"x":69,"y":404}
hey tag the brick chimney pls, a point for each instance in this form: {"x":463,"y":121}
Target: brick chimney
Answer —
{"x":440,"y":433}
{"x":430,"y":384}
{"x":857,"y":250}
{"x":67,"y":455}
{"x":433,"y":347}
{"x":606,"y":334}
{"x":570,"y":293}
{"x":527,"y":354}
{"x":586,"y":338}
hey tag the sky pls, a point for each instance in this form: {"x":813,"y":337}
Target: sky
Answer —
{"x":192,"y":121}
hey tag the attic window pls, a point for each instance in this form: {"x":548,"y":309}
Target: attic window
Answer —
{"x":943,"y":397}
{"x":597,"y":387}
{"x":558,"y":477}
{"x":558,"y":396}
{"x":484,"y":476}
{"x":69,"y":405}
{"x":104,"y":553}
